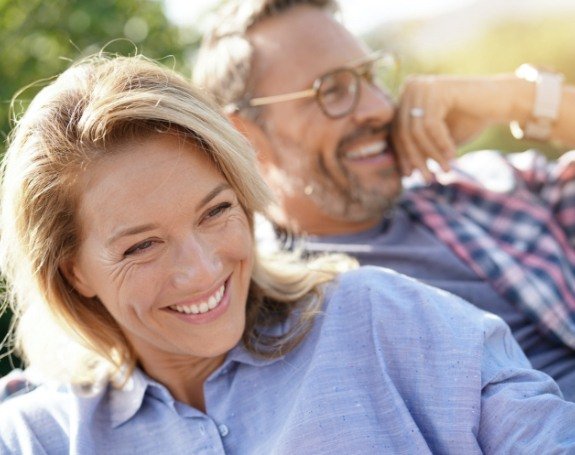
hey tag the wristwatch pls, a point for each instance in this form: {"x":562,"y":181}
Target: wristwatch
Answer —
{"x":548,"y":90}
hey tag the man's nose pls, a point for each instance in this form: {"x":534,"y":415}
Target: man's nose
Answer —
{"x":195,"y":262}
{"x":375,"y":106}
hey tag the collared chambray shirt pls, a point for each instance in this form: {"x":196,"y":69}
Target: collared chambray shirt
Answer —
{"x":390,"y":366}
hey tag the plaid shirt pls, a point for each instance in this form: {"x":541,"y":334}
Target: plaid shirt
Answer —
{"x":512,"y":220}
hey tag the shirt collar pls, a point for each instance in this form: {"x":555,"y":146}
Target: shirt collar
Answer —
{"x":126,"y":401}
{"x":241,"y":355}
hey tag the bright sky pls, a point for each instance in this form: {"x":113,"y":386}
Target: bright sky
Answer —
{"x":358,"y":15}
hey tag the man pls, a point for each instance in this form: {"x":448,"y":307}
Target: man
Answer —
{"x":497,"y":231}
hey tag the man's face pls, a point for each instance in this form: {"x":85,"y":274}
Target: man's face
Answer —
{"x":331,"y":176}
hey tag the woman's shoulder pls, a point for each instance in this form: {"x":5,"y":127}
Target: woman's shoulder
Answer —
{"x":35,"y":417}
{"x":384,"y":295}
{"x":372,"y":283}
{"x":36,"y":397}
{"x":408,"y":322}
{"x":370,"y":276}
{"x":41,"y":417}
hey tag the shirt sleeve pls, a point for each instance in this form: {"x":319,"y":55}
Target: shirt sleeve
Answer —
{"x":522,"y":410}
{"x":16,"y":436}
{"x":484,"y":388}
{"x":34,"y":423}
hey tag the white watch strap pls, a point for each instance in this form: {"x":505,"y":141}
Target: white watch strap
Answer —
{"x":548,"y":91}
{"x":548,"y":95}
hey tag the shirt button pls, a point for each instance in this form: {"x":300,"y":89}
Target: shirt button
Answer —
{"x":224,"y":430}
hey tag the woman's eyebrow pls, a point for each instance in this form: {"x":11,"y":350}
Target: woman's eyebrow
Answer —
{"x":212,"y":194}
{"x":132,"y":230}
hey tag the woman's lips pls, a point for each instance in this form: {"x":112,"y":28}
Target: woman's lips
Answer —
{"x":202,"y":307}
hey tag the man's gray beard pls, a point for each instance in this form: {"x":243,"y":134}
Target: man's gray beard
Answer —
{"x":352,"y":203}
{"x":357,"y":204}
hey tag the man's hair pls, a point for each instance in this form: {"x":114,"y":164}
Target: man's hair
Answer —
{"x":86,"y":114}
{"x":224,"y":66}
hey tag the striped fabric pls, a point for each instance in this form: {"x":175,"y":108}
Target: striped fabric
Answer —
{"x":512,"y":220}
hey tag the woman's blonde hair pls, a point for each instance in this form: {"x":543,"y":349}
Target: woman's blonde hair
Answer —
{"x":83,"y":115}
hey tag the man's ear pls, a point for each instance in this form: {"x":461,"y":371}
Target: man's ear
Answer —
{"x":76,"y":278}
{"x":258,"y":138}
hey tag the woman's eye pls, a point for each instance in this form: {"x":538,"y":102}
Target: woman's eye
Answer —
{"x":218,"y":210}
{"x":138,"y":248}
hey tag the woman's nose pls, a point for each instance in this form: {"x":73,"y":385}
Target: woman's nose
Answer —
{"x":195,"y":261}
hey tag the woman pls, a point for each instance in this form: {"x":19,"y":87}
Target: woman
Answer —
{"x":127,"y":246}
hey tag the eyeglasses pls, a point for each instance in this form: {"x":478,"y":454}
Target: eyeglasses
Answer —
{"x":337,"y":92}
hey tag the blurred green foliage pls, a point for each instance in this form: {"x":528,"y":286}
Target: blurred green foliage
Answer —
{"x":39,"y":39}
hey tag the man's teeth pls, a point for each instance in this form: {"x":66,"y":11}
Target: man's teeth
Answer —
{"x":203,"y":307}
{"x":372,"y":149}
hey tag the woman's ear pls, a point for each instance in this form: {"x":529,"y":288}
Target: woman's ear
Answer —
{"x":76,"y":279}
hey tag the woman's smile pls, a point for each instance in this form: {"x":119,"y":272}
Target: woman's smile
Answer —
{"x":204,"y":310}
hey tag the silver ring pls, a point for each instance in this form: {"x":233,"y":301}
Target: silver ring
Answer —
{"x":416,"y":112}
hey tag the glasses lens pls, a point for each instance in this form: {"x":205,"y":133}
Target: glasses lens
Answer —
{"x":384,"y":72}
{"x":337,"y":92}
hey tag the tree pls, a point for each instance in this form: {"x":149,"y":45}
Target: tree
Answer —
{"x":39,"y":39}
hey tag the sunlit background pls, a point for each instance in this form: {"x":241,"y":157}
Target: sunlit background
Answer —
{"x":39,"y":38}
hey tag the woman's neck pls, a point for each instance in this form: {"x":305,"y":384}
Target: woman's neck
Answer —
{"x":184,"y":377}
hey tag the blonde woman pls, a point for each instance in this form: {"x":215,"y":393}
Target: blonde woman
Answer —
{"x":128,"y":249}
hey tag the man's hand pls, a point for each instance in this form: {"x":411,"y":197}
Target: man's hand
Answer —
{"x":438,"y":113}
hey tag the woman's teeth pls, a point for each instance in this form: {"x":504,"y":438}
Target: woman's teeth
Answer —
{"x":204,"y":307}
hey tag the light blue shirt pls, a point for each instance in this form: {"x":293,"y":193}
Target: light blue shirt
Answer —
{"x":390,"y":366}
{"x":403,"y":244}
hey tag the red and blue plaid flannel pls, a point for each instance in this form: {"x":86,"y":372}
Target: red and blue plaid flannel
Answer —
{"x":512,"y":220}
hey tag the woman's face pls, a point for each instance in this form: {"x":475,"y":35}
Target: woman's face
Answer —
{"x":167,"y":249}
